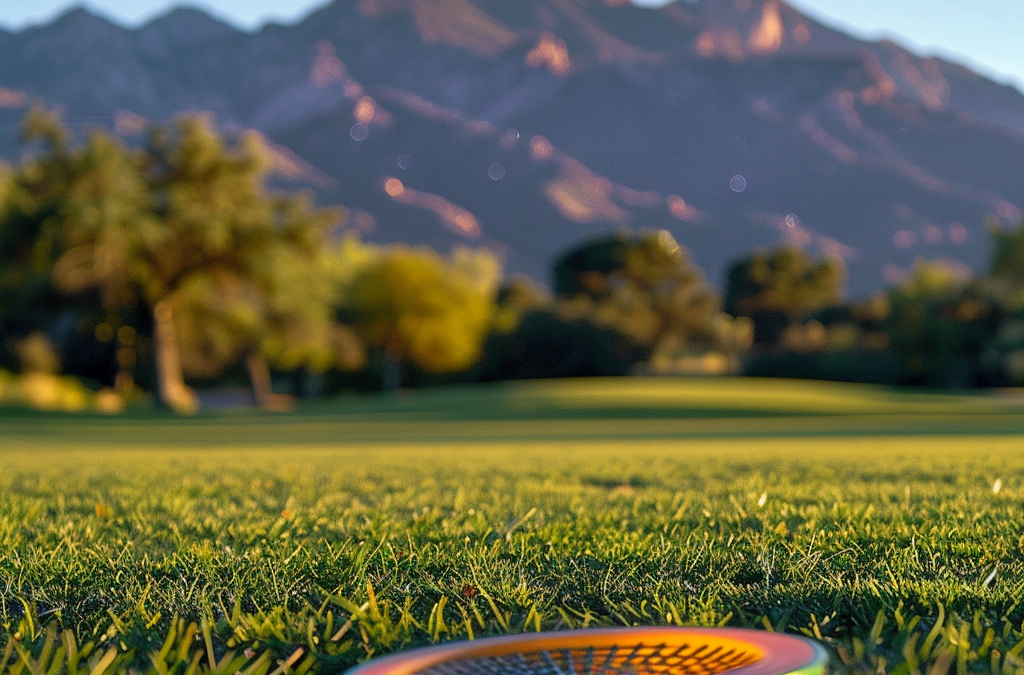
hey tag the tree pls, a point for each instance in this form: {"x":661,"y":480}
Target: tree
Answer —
{"x":19,"y":275}
{"x":774,"y":288}
{"x":418,"y":309}
{"x":1003,"y":357}
{"x":939,"y":323}
{"x":185,"y":227}
{"x":516,"y":297}
{"x":644,"y":287}
{"x":57,"y":191}
{"x":1006,"y":268}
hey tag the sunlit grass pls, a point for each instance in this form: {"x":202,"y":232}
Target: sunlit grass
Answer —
{"x":778,"y":396}
{"x":902,"y":551}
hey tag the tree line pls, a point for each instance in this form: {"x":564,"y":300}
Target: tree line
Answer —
{"x":149,"y":266}
{"x":173,"y":260}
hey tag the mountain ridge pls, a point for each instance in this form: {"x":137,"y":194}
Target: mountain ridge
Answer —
{"x":622,"y":116}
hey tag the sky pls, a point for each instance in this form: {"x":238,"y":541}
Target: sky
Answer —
{"x":986,"y":35}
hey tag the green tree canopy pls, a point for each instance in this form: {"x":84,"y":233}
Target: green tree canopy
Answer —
{"x":781,"y":285}
{"x":1006,"y":267}
{"x":186,"y":227}
{"x":517,"y":296}
{"x":939,"y":323}
{"x":643,"y":286}
{"x":54,"y":191}
{"x":416,"y":308}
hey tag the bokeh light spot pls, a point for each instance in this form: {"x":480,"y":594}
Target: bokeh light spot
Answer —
{"x":509,"y":140}
{"x":738,"y":183}
{"x":405,"y":161}
{"x":104,"y":332}
{"x":496,"y":171}
{"x":359,"y":131}
{"x":126,"y":335}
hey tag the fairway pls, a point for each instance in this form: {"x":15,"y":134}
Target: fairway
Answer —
{"x":626,"y":409}
{"x":887,"y":524}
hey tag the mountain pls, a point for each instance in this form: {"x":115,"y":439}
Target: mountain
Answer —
{"x":528,"y":126}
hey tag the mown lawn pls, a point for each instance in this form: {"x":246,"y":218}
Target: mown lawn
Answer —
{"x":889,"y":524}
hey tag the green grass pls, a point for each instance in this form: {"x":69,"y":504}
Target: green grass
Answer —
{"x":865,"y":517}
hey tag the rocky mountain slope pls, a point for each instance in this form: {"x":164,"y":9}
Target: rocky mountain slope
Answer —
{"x":527,"y":126}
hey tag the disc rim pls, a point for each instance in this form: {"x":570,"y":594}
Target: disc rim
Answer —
{"x":781,"y":654}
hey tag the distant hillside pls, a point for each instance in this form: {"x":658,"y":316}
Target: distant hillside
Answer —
{"x":527,"y":126}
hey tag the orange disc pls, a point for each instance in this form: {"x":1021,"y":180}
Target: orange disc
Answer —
{"x":613,"y":651}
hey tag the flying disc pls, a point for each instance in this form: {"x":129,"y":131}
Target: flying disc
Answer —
{"x":613,"y":651}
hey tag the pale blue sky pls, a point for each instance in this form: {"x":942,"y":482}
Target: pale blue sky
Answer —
{"x":987,"y":35}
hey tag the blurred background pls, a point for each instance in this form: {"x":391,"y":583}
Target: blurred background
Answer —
{"x":266,"y":203}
